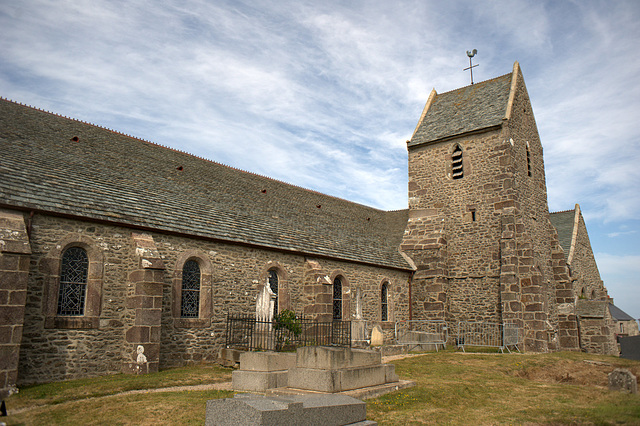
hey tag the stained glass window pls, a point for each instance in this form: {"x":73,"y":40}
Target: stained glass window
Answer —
{"x":273,"y":283}
{"x":337,"y":299}
{"x":384,"y":307}
{"x":74,"y":270}
{"x":190,"y":304}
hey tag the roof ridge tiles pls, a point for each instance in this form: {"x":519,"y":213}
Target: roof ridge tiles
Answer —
{"x":475,"y":84}
{"x":563,"y":211}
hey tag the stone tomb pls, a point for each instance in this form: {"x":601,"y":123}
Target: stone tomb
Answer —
{"x":321,"y":410}
{"x":260,"y":371}
{"x":332,"y":369}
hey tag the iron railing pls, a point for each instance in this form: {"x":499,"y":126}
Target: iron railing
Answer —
{"x":421,"y":334}
{"x":245,"y":332}
{"x":494,"y":335}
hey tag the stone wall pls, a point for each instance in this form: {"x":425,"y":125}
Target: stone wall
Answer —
{"x":14,"y":268}
{"x":596,"y":327}
{"x":453,"y":230}
{"x":137,"y":276}
{"x":586,"y":279}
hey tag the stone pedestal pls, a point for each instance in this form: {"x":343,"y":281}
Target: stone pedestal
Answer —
{"x":260,"y":371}
{"x":328,"y":369}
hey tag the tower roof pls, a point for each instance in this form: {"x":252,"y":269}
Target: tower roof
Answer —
{"x":564,"y":222}
{"x":66,"y":167}
{"x":468,"y":109}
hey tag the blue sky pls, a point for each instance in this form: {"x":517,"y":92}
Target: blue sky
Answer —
{"x":325,"y":94}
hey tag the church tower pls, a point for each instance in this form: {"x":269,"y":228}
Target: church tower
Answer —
{"x":479,"y":230}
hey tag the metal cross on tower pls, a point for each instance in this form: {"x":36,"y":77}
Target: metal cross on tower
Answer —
{"x":471,"y":67}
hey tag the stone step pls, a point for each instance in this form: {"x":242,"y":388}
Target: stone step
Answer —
{"x":330,"y":358}
{"x":343,"y":379}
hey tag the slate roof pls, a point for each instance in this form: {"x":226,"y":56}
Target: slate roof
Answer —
{"x":108,"y":176}
{"x":618,"y":314}
{"x":563,"y":222}
{"x":468,"y":109}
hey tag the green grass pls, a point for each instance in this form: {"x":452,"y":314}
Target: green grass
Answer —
{"x":73,"y":390}
{"x":451,"y":388}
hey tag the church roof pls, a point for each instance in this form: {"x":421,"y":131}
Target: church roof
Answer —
{"x":468,"y":109}
{"x":564,"y":222}
{"x":63,"y":166}
{"x":618,"y":314}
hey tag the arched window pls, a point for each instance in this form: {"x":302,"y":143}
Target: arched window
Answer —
{"x":528,"y":160}
{"x":384,"y":307}
{"x":337,"y":298}
{"x":273,"y":283}
{"x":74,"y":269}
{"x":456,"y":163}
{"x":190,"y":303}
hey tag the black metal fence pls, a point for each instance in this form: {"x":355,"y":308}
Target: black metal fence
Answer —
{"x":245,"y":332}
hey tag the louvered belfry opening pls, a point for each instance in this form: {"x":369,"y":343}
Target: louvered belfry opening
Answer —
{"x":457,"y":171}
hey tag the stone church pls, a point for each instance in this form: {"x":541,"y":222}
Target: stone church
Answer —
{"x":109,"y":242}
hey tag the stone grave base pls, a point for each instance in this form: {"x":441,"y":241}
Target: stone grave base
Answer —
{"x":321,"y":410}
{"x":260,"y":371}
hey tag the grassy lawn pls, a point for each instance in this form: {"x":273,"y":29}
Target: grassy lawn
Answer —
{"x":451,"y":388}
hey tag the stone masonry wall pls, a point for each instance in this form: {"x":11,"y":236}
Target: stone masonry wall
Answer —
{"x":537,"y":236}
{"x":454,"y":228}
{"x":132,"y":312}
{"x":584,"y":270}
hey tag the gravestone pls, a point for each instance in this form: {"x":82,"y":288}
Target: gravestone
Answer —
{"x":321,"y":410}
{"x":377,"y":336}
{"x":622,"y":379}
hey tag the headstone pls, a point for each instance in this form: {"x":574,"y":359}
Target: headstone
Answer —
{"x":622,"y":379}
{"x":377,"y":336}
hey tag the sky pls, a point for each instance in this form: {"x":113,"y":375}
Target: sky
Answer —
{"x":325,"y":94}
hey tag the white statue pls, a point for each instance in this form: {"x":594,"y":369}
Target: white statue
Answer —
{"x":142,"y":358}
{"x":265,"y":304}
{"x":358,"y":304}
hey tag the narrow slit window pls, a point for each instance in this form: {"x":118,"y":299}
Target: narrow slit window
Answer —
{"x":337,"y":299}
{"x":457,"y":171}
{"x":273,"y":284}
{"x":190,"y":303}
{"x":528,"y":160}
{"x":74,"y":270}
{"x":384,"y":306}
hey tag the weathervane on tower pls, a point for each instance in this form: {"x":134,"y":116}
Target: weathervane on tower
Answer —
{"x":471,"y":67}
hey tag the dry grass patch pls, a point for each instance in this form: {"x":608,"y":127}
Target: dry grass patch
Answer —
{"x":457,"y":388}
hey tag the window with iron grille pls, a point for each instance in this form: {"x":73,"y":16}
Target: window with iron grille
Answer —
{"x":74,"y":269}
{"x":273,"y":283}
{"x":384,"y":307}
{"x":190,"y":304}
{"x":457,"y":171}
{"x":337,"y":298}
